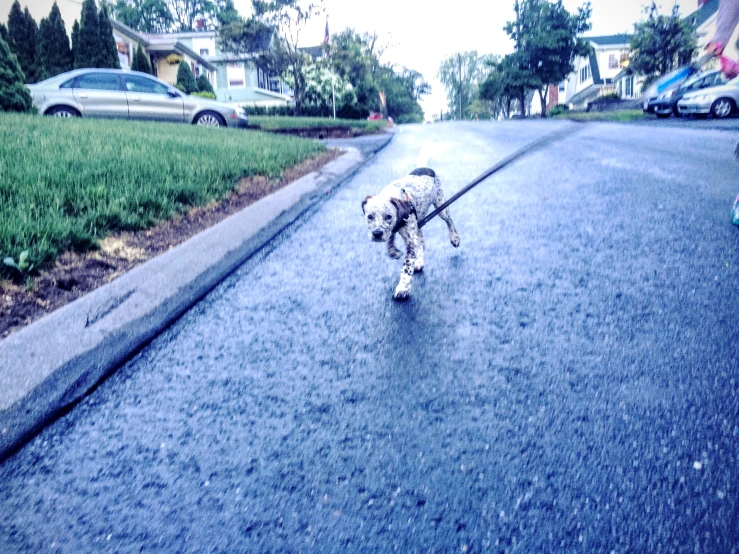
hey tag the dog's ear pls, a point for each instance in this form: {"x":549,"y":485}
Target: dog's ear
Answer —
{"x":403,"y":207}
{"x":364,"y":202}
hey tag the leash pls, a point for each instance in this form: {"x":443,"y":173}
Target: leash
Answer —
{"x":546,"y":140}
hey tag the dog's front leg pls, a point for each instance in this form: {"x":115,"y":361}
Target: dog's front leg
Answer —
{"x":403,"y":290}
{"x":392,"y":251}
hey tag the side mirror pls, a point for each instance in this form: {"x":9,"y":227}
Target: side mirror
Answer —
{"x":173,"y":92}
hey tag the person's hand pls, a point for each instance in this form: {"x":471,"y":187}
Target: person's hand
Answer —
{"x":715,"y":48}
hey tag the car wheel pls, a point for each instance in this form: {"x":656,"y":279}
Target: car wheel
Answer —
{"x":63,"y":111}
{"x":676,"y":112}
{"x":210,"y":119}
{"x":722,"y":108}
{"x":663,"y":115}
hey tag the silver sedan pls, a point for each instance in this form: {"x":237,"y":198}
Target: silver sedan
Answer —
{"x":720,"y":101}
{"x":115,"y":93}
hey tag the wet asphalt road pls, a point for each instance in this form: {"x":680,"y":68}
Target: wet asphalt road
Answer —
{"x":565,"y":381}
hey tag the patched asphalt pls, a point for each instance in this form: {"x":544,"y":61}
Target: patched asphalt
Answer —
{"x":565,"y":381}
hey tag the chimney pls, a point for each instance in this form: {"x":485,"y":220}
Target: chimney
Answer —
{"x":200,"y":24}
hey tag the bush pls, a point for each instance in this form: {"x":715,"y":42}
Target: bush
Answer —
{"x":558,"y":110}
{"x":204,"y":84}
{"x":211,"y":95}
{"x":610,"y":96}
{"x":141,"y":61}
{"x":185,"y":78}
{"x":14,"y":96}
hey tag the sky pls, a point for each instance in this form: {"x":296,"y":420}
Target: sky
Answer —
{"x":420,"y":35}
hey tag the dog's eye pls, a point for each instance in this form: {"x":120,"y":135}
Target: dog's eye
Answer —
{"x":388,"y":217}
{"x":370,"y":217}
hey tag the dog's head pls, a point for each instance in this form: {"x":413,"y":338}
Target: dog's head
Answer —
{"x":384,"y":216}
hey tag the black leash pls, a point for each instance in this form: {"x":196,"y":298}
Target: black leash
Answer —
{"x":559,"y":134}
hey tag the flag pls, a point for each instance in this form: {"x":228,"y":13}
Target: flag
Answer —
{"x":325,"y":37}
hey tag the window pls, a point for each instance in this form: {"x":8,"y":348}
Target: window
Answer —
{"x":236,"y":75}
{"x":612,"y":61}
{"x":98,"y":81}
{"x":135,"y":83}
{"x":261,"y":78}
{"x":205,"y":52}
{"x":629,"y":87}
{"x":585,"y":74}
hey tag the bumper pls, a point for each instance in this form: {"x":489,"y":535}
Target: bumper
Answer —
{"x":661,"y":108}
{"x":238,"y":123}
{"x":691,"y":109}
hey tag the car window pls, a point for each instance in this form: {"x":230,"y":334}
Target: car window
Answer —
{"x":67,"y":84}
{"x":98,"y":81}
{"x":136,"y":83}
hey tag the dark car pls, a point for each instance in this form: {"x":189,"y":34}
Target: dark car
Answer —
{"x":666,"y":104}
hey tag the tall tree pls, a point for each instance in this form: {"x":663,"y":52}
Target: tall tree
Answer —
{"x":75,"y":42}
{"x":146,"y":16}
{"x":14,"y":96}
{"x":3,"y":32}
{"x":108,"y":50}
{"x":23,"y":40}
{"x":661,"y":43}
{"x":548,"y":38}
{"x":461,"y":74}
{"x":187,"y":12}
{"x":204,"y":84}
{"x":54,"y":53}
{"x":185,"y":78}
{"x":141,"y":61}
{"x":88,"y":48}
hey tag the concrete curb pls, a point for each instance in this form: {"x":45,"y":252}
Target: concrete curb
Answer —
{"x":48,"y":366}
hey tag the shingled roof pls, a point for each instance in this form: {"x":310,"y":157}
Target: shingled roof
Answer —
{"x":611,"y":40}
{"x":703,"y":14}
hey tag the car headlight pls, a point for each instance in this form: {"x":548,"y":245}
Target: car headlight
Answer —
{"x":666,"y":95}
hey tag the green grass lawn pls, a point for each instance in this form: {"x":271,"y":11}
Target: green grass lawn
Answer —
{"x":268,"y":123}
{"x":64,"y":184}
{"x":618,"y":115}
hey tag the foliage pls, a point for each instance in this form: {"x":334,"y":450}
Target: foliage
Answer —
{"x":108,"y":50}
{"x":140,"y":61}
{"x":54,"y":53}
{"x":3,"y":32}
{"x":661,"y":43}
{"x":204,"y":94}
{"x":146,"y":16}
{"x":610,"y":96}
{"x":289,"y":122}
{"x":547,"y":39}
{"x":174,"y":59}
{"x":75,"y":39}
{"x":204,"y":84}
{"x":185,"y":78}
{"x":474,"y":70}
{"x":14,"y":96}
{"x":83,"y":178}
{"x":23,"y":265}
{"x":559,"y":109}
{"x":23,"y":41}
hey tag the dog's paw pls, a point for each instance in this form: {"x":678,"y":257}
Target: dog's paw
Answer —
{"x":418,"y":267}
{"x":454,"y":239}
{"x":394,"y":253}
{"x":401,"y":294}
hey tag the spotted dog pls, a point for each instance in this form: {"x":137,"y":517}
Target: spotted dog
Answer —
{"x":397,"y":209}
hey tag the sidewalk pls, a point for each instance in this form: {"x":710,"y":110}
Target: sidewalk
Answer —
{"x":48,"y":366}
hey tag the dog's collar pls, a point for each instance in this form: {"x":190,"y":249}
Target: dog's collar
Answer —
{"x":402,"y":222}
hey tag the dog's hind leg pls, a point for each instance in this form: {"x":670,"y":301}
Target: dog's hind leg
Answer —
{"x":392,"y":251}
{"x":444,"y":214}
{"x":409,"y":232}
{"x":420,"y":245}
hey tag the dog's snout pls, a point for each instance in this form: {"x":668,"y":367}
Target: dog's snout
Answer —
{"x":377,"y":233}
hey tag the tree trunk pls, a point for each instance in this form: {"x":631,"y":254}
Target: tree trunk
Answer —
{"x":543,"y":98}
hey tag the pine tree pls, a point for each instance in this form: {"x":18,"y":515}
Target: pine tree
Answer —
{"x":140,"y":61}
{"x":3,"y":32}
{"x":14,"y":96}
{"x":185,"y":78}
{"x":23,"y":40}
{"x":108,"y":50}
{"x":88,"y":49}
{"x":204,"y":84}
{"x":75,"y":42}
{"x":54,"y":54}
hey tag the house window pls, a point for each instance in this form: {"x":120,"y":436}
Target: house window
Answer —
{"x":613,"y":61}
{"x":585,"y":74}
{"x":261,"y":79}
{"x":205,"y":52}
{"x":629,"y":87}
{"x":236,"y":75}
{"x":275,"y":84}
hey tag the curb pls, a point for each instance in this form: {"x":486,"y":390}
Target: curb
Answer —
{"x":47,"y":367}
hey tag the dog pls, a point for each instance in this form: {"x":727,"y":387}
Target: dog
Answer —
{"x":397,"y":209}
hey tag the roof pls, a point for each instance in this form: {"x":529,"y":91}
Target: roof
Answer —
{"x":703,"y":14}
{"x":178,"y":47}
{"x":126,"y":30}
{"x":594,"y":69}
{"x":611,"y":40}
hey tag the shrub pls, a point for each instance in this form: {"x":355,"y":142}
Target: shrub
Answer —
{"x":186,"y":78}
{"x":14,"y":96}
{"x":558,"y":110}
{"x":211,"y":95}
{"x":174,"y":59}
{"x":204,"y":84}
{"x":140,"y":61}
{"x":610,"y":96}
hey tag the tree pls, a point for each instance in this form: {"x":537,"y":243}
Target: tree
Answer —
{"x":461,"y":92}
{"x":185,"y":13}
{"x":23,"y":40}
{"x":141,"y":61}
{"x":506,"y":82}
{"x":87,"y":47}
{"x":54,"y":53}
{"x":204,"y":84}
{"x":185,"y":78}
{"x":661,"y":43}
{"x":75,"y":42}
{"x":355,"y":58}
{"x":547,"y":38}
{"x":146,"y":16}
{"x":108,"y":50}
{"x":3,"y":32}
{"x":14,"y":96}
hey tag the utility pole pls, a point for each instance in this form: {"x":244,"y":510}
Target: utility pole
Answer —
{"x":459,"y":58}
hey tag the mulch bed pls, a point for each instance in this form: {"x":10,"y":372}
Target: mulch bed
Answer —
{"x":75,"y":274}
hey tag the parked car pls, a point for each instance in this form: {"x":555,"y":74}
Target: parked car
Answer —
{"x":666,"y":104}
{"x":719,"y":101}
{"x":120,"y":94}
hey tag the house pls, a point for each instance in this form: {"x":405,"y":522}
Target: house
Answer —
{"x":235,"y":78}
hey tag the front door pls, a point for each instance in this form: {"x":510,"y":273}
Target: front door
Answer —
{"x":150,"y":99}
{"x":101,"y":95}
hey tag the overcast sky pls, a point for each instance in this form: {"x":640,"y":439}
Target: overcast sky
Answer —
{"x":420,"y":36}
